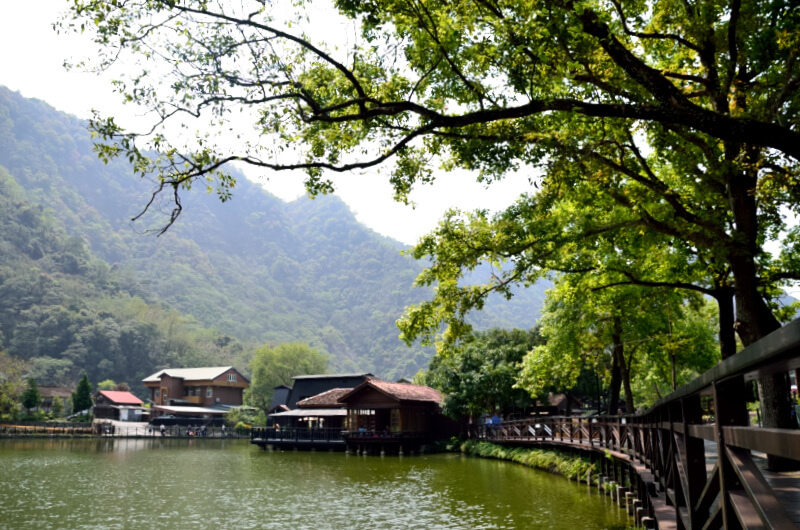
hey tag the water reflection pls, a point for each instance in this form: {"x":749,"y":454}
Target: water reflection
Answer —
{"x":132,"y":483}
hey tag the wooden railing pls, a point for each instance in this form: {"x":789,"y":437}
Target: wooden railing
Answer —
{"x":289,"y":434}
{"x":690,"y":458}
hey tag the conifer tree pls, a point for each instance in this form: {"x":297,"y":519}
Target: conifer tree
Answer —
{"x":82,"y":397}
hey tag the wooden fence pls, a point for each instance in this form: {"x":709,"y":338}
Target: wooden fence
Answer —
{"x":693,"y":460}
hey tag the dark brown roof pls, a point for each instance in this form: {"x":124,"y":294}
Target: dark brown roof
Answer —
{"x":401,"y":391}
{"x":55,"y":391}
{"x":329,"y":399}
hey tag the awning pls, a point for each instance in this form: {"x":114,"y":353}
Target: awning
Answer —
{"x":189,"y":410}
{"x":310,"y":413}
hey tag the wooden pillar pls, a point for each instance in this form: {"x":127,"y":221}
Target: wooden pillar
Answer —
{"x":730,"y":408}
{"x":695,"y":464}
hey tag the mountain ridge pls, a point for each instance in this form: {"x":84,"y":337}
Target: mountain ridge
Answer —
{"x":256,"y":268}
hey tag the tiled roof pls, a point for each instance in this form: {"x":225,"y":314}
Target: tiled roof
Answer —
{"x":402,"y":391}
{"x":55,"y":391}
{"x":326,"y":399}
{"x":123,"y":398}
{"x":330,"y":376}
{"x":189,"y":374}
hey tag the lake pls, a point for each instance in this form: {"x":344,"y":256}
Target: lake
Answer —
{"x":138,"y":483}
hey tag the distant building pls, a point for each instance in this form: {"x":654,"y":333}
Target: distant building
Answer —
{"x":374,"y":416}
{"x":197,"y":392}
{"x":117,"y":405}
{"x":381,"y":406}
{"x":306,"y":386}
{"x":49,"y":393}
{"x":558,"y":405}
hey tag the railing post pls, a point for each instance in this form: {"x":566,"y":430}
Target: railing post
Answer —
{"x":730,"y":408}
{"x":695,"y":465}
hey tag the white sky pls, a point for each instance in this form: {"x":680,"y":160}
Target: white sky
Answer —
{"x":31,"y":62}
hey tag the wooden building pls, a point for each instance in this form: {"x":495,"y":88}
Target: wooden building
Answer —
{"x":49,"y":393}
{"x":197,"y":392}
{"x":374,"y":417}
{"x":384,"y":417}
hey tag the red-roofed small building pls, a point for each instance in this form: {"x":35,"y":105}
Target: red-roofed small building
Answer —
{"x":118,"y":405}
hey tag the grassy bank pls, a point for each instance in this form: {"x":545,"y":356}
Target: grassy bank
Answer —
{"x":553,"y":461}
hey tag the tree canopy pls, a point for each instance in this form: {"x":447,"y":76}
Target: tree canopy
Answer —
{"x":480,"y":375}
{"x":682,"y":118}
{"x":31,"y":398}
{"x":272,"y":366}
{"x":582,"y":90}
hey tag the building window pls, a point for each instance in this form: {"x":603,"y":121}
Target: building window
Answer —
{"x":209,"y":392}
{"x":231,"y":378}
{"x":158,"y":393}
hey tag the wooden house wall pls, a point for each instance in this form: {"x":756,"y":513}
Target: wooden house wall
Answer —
{"x":228,"y":395}
{"x":371,"y":398}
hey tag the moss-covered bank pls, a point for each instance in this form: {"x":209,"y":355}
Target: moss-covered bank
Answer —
{"x":551,"y":460}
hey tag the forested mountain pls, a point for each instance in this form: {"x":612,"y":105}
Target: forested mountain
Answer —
{"x":84,"y":287}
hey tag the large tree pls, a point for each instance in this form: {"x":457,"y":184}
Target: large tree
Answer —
{"x":572,"y":86}
{"x":82,"y":397}
{"x":31,"y":398}
{"x":272,"y":366}
{"x":479,"y":375}
{"x":641,"y":342}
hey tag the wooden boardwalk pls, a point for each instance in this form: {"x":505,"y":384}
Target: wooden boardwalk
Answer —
{"x":784,"y":485}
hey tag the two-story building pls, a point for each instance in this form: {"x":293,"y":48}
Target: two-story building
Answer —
{"x":207,"y":392}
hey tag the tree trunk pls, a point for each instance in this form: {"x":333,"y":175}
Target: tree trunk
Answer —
{"x":614,"y":386}
{"x":727,"y":332}
{"x":754,"y":319}
{"x":624,"y":368}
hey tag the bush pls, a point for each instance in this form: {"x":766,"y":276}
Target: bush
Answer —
{"x":570,"y":466}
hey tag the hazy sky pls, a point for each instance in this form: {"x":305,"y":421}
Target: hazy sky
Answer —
{"x":31,"y":62}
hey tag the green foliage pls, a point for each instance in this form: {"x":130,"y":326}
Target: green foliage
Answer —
{"x":274,"y":366}
{"x":479,"y":374}
{"x":585,"y":329}
{"x":245,"y":417}
{"x":12,"y":384}
{"x":82,"y":397}
{"x":567,"y":465}
{"x":57,"y":407}
{"x":107,"y":384}
{"x":31,"y":398}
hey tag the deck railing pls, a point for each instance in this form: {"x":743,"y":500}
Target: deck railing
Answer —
{"x":690,"y":457}
{"x":289,"y":434}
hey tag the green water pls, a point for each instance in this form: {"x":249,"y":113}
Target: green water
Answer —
{"x":231,"y":484}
